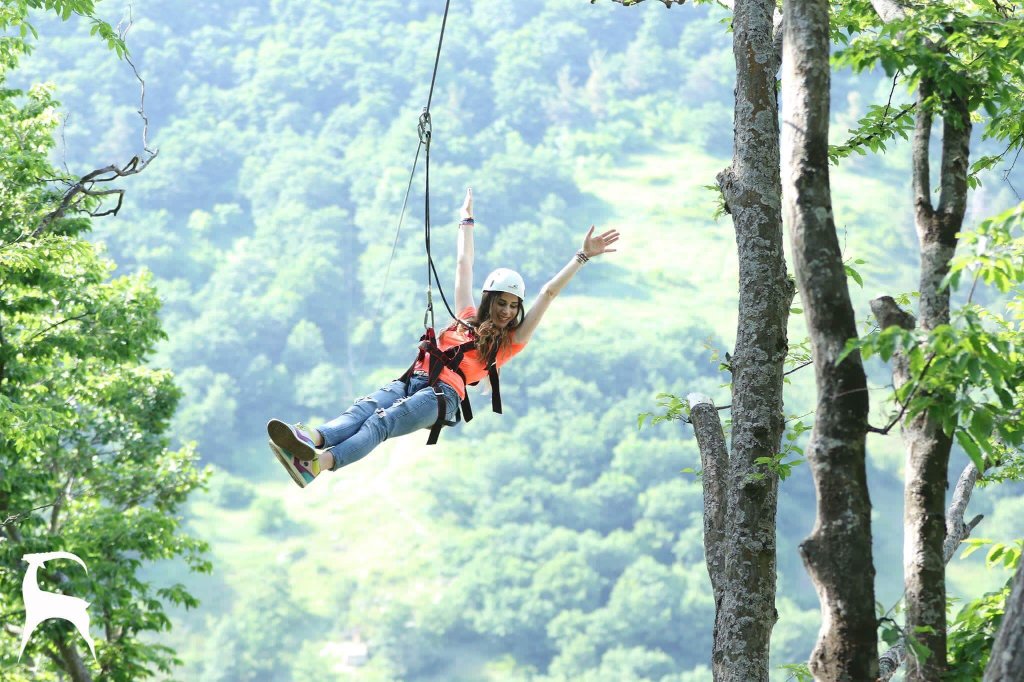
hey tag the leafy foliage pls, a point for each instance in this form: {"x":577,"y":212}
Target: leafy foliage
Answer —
{"x":973,"y":630}
{"x":971,"y":50}
{"x":968,"y":374}
{"x":85,"y":465}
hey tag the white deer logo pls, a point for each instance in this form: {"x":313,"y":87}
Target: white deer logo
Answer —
{"x":40,"y":605}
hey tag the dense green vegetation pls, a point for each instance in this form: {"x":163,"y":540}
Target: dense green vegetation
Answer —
{"x":557,"y":541}
{"x":85,"y":460}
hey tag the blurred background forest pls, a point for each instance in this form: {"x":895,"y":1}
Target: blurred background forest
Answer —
{"x":557,"y":541}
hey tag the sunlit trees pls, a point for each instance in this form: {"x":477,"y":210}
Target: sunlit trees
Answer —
{"x":85,"y":465}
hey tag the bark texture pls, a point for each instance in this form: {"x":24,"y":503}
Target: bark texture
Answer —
{"x":956,"y":532}
{"x":752,"y":190}
{"x":72,"y":660}
{"x":927,"y":446}
{"x":838,"y":552}
{"x":740,"y":508}
{"x":714,"y":459}
{"x":1007,"y":661}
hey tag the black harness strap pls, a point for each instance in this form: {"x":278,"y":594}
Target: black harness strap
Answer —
{"x":451,"y":358}
{"x":435,"y":429}
{"x":492,"y":374}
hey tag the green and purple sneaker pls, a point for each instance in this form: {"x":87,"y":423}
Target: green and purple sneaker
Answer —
{"x":302,"y":471}
{"x":294,"y":440}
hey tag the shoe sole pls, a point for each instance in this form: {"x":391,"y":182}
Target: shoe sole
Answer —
{"x":283,"y":436}
{"x":286,"y":462}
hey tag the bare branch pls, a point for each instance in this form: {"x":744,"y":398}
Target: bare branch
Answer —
{"x":714,"y":457}
{"x":903,"y":407}
{"x":956,"y":530}
{"x":78,"y":190}
{"x":1006,"y":173}
{"x":798,"y":368}
{"x":628,"y":3}
{"x":889,"y":314}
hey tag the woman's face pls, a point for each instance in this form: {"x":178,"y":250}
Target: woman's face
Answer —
{"x":504,"y":308}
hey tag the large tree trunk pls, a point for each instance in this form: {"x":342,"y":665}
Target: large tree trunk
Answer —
{"x":957,"y":530}
{"x":740,"y":497}
{"x":927,"y":446}
{"x":1007,"y":660}
{"x":752,"y":191}
{"x":838,"y":551}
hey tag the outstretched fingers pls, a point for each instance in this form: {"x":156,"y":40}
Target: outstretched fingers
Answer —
{"x":604,"y":240}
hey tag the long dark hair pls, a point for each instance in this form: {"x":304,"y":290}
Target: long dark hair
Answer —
{"x":491,"y":338}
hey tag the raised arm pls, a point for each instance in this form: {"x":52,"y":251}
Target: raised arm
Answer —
{"x":592,"y":246}
{"x":464,"y":256}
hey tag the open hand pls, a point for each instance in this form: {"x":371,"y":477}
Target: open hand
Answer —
{"x":595,"y":246}
{"x":466,"y":211}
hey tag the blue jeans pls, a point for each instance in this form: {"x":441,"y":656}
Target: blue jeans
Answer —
{"x":394,"y":410}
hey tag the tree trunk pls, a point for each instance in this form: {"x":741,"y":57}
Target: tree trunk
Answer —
{"x":73,"y":663}
{"x":838,"y":552}
{"x":1007,"y":661}
{"x":927,"y":446}
{"x":752,"y":190}
{"x":741,"y":496}
{"x":956,"y":532}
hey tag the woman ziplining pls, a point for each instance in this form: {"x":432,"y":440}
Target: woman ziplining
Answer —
{"x":432,"y":392}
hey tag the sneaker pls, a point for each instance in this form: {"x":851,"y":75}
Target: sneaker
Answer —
{"x":302,"y":471}
{"x":294,"y":440}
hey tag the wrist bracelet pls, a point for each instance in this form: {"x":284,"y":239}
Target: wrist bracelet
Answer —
{"x":581,"y":257}
{"x":467,"y":221}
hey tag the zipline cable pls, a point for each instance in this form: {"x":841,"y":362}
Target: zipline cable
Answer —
{"x":424,"y":130}
{"x":425,"y":133}
{"x":394,"y":244}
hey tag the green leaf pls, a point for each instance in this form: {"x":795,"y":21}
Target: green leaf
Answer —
{"x":851,"y":345}
{"x":850,"y":272}
{"x":973,"y":544}
{"x":971,"y":448}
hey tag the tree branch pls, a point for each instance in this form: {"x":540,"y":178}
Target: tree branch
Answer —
{"x":956,"y":140}
{"x":903,"y":406}
{"x":83,"y":188}
{"x":798,"y":368}
{"x":72,"y":660}
{"x":628,"y":3}
{"x":922,"y":136}
{"x":714,"y":457}
{"x":73,"y":318}
{"x":889,"y":10}
{"x":889,"y":314}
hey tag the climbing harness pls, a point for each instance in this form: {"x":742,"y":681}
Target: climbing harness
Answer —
{"x":451,"y":358}
{"x":428,"y":348}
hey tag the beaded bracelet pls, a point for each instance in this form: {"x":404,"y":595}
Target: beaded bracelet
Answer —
{"x":467,"y":221}
{"x":581,"y":257}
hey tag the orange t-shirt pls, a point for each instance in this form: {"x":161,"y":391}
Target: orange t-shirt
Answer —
{"x":472,"y":365}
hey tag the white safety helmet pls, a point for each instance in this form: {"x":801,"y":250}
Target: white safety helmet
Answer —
{"x":505,"y":280}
